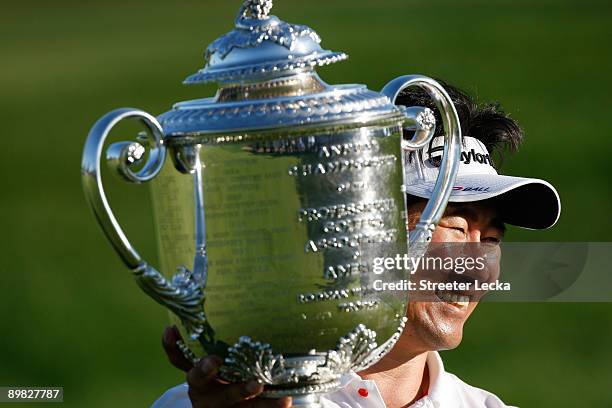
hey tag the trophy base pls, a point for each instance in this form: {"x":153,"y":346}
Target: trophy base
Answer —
{"x":303,"y":396}
{"x":303,"y":377}
{"x":306,"y":401}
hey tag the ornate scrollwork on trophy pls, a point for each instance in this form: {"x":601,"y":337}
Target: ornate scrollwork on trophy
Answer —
{"x":352,"y":350}
{"x":384,"y":348}
{"x":252,"y":360}
{"x":299,"y":110}
{"x":297,"y":47}
{"x":426,"y":119}
{"x":183,"y":296}
{"x":254,"y":26}
{"x":258,"y":9}
{"x":189,"y":355}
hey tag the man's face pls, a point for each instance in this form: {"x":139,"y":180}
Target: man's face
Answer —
{"x":468,"y":227}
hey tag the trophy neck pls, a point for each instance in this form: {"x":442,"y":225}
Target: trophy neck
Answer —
{"x":304,"y":83}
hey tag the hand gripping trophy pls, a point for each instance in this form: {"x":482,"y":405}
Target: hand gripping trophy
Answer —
{"x":280,"y":191}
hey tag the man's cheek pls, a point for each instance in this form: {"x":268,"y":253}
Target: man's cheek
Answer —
{"x":492,"y":262}
{"x":492,"y":267}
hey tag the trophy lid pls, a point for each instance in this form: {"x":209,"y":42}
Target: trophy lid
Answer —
{"x":267,"y":84}
{"x":261,"y":45}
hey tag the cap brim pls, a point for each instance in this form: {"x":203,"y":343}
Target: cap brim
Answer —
{"x":524,"y":202}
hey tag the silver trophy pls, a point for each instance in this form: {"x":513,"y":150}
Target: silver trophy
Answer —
{"x":280,"y":191}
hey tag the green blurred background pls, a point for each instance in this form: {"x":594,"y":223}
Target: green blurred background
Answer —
{"x":71,"y":315}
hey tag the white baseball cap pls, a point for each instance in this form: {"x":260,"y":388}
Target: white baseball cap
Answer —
{"x":524,"y":202}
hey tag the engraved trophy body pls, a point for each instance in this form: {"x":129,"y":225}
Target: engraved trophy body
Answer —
{"x":278,"y":194}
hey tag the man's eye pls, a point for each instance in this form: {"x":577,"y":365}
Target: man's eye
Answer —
{"x":460,"y":229}
{"x":491,"y":240}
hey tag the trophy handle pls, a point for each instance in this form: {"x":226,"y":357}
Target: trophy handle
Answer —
{"x":420,"y":119}
{"x":182,"y":294}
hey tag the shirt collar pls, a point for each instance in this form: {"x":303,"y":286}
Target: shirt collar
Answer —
{"x":441,"y":388}
{"x":349,"y":377}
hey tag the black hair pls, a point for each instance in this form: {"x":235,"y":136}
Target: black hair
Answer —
{"x":486,"y":122}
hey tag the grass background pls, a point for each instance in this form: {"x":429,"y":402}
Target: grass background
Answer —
{"x":71,"y":315}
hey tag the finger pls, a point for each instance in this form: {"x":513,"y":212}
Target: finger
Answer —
{"x":174,"y":354}
{"x":237,"y":393}
{"x":216,"y":394}
{"x":202,"y":374}
{"x":285,"y":402}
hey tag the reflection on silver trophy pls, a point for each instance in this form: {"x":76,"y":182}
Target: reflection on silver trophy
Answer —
{"x":280,"y":192}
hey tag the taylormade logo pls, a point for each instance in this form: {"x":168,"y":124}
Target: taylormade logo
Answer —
{"x":466,"y":157}
{"x":472,"y":156}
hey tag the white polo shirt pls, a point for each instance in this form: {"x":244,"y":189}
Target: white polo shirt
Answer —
{"x":445,"y":391}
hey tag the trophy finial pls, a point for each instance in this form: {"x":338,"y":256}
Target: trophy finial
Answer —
{"x":255,"y":9}
{"x":261,"y":45}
